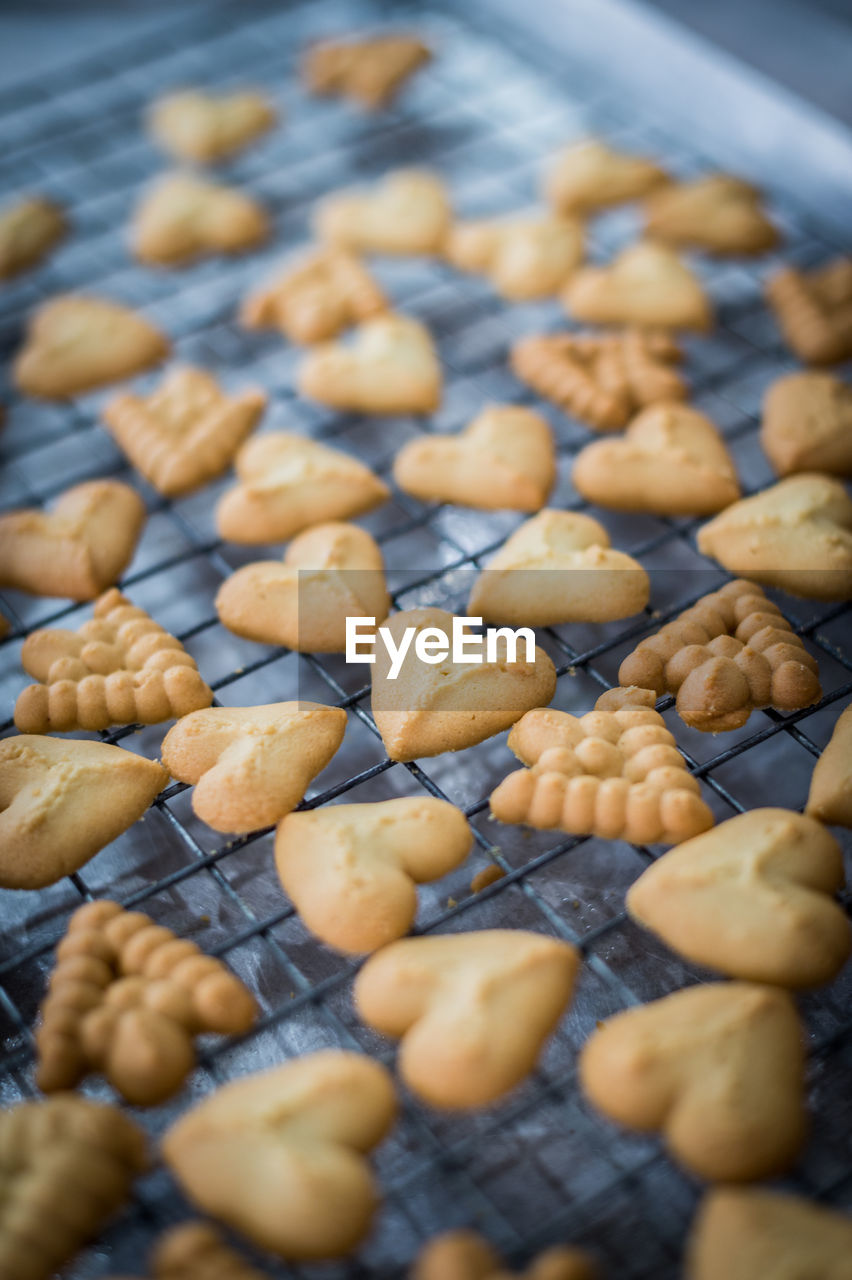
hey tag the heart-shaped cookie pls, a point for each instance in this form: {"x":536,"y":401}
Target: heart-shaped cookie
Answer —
{"x":796,"y":535}
{"x":830,"y":796}
{"x":49,"y":823}
{"x":194,"y":1250}
{"x":646,"y":285}
{"x":814,"y":310}
{"x":505,"y":459}
{"x":473,"y":1009}
{"x":406,"y":212}
{"x":390,"y":367}
{"x":718,"y":212}
{"x":351,"y":870}
{"x":752,"y":898}
{"x":591,"y":175}
{"x":370,"y":71}
{"x":75,"y":343}
{"x":287,"y":483}
{"x":717,"y":1069}
{"x":280,"y":1155}
{"x":434,"y":707}
{"x":203,"y":127}
{"x":183,"y":217}
{"x":807,"y":424}
{"x":316,"y":297}
{"x":525,"y":257}
{"x":251,"y":765}
{"x":559,"y":567}
{"x":78,"y":548}
{"x":28,"y":231}
{"x":465,"y":1255}
{"x":670,"y":461}
{"x":330,"y":573}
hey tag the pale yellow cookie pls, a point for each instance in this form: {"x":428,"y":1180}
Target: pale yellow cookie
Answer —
{"x":184,"y":217}
{"x":408,"y":211}
{"x":830,"y":796}
{"x":719,"y":213}
{"x":814,"y":310}
{"x":390,"y":367}
{"x":316,"y":298}
{"x":28,"y":232}
{"x":203,"y":128}
{"x":591,"y":175}
{"x":807,"y":424}
{"x":370,"y":71}
{"x":505,"y":459}
{"x":464,"y":1255}
{"x":198,"y":1251}
{"x":525,"y":257}
{"x":646,"y":285}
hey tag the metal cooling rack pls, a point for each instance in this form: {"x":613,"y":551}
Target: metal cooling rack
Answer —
{"x":542,"y":1167}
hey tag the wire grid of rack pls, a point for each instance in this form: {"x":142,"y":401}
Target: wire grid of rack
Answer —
{"x":541,"y":1167}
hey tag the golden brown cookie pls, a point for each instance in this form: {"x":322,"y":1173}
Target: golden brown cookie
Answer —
{"x":525,"y":257}
{"x":730,"y":652}
{"x":646,"y":285}
{"x":351,"y":870}
{"x":752,"y":898}
{"x":504,"y":460}
{"x":127,"y":998}
{"x":559,"y":567}
{"x":830,"y":796}
{"x":186,"y":432}
{"x":76,"y":550}
{"x":602,"y":379}
{"x":741,"y":1233}
{"x":75,"y":343}
{"x":198,"y":1251}
{"x":204,"y":128}
{"x":718,"y":212}
{"x":330,"y":573}
{"x":814,"y":310}
{"x":465,"y":1255}
{"x":49,"y":825}
{"x":316,"y":298}
{"x":796,"y":535}
{"x":408,"y":211}
{"x":119,"y":668}
{"x":370,"y":71}
{"x":251,"y":765}
{"x":29,"y":230}
{"x":390,"y":367}
{"x":428,"y":709}
{"x":280,"y":1155}
{"x":590,"y":175}
{"x":184,"y":217}
{"x":614,"y":772}
{"x":286,"y":483}
{"x":671,"y":461}
{"x":66,"y":1166}
{"x":807,"y":424}
{"x":717,"y":1069}
{"x":473,"y":1010}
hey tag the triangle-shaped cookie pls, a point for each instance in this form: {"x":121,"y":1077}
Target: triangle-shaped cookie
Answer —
{"x":807,"y":424}
{"x":316,"y":298}
{"x":591,"y":175}
{"x":184,"y":217}
{"x":370,"y":71}
{"x":525,"y":257}
{"x":407,"y":211}
{"x":719,"y":212}
{"x":390,"y":367}
{"x":204,"y":128}
{"x":647,"y":285}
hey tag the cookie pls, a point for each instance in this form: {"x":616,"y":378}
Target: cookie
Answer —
{"x":29,"y":230}
{"x":119,"y":668}
{"x":807,"y":424}
{"x":504,"y":460}
{"x":205,"y":128}
{"x":184,"y":217}
{"x":390,"y":367}
{"x":796,"y":535}
{"x":591,"y":175}
{"x":330,"y":573}
{"x":66,"y":1166}
{"x":286,"y":483}
{"x":671,"y":461}
{"x":601,"y":379}
{"x":280,"y":1155}
{"x":730,"y":652}
{"x":753,"y":899}
{"x":465,"y":1255}
{"x":740,"y":1233}
{"x":351,"y":870}
{"x":429,"y":709}
{"x":198,"y":1251}
{"x":718,"y":212}
{"x":524,"y":257}
{"x":646,"y":285}
{"x":473,"y":1010}
{"x":186,"y":432}
{"x":127,"y":998}
{"x":717,"y":1069}
{"x":316,"y":298}
{"x":830,"y":795}
{"x":75,"y":343}
{"x":76,"y":550}
{"x":814,"y":310}
{"x":371,"y":72}
{"x":614,"y":772}
{"x":49,"y":825}
{"x":407,"y":212}
{"x":559,"y":567}
{"x":251,"y":765}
